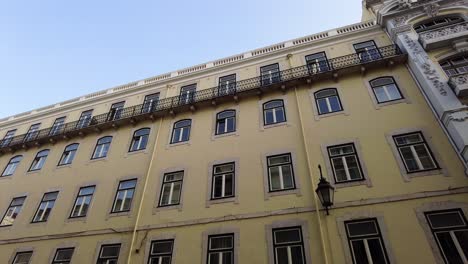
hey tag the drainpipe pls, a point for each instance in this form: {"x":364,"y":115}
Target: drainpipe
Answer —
{"x":144,"y":191}
{"x":309,"y":168}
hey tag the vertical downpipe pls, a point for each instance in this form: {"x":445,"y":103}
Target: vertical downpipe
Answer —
{"x":144,"y":191}
{"x":309,"y":168}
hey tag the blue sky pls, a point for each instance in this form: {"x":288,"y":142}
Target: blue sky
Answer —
{"x":51,"y":50}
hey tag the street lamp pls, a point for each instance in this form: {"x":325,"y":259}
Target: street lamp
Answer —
{"x":325,"y":191}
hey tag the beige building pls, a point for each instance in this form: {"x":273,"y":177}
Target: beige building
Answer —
{"x":218,"y":163}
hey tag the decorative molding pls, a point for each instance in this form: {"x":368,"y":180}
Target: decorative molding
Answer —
{"x":445,"y":31}
{"x":458,"y":116}
{"x":423,"y":60}
{"x":432,"y":9}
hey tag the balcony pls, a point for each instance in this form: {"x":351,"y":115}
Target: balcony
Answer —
{"x":459,"y":84}
{"x":444,"y":36}
{"x":332,"y":68}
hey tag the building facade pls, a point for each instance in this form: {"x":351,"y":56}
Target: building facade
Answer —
{"x":218,"y":163}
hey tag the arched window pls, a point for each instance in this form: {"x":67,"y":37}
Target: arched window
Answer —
{"x":68,"y":154}
{"x":181,"y":131}
{"x":437,"y":22}
{"x":385,"y":89}
{"x":328,"y":101}
{"x":102,"y":147}
{"x":12,"y":165}
{"x":455,"y":65}
{"x":39,"y":160}
{"x":273,"y":112}
{"x":225,"y":122}
{"x":139,"y":139}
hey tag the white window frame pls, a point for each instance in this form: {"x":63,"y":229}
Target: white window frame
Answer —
{"x":100,"y":147}
{"x":125,"y":194}
{"x":345,"y":163}
{"x":290,"y":164}
{"x":11,"y":167}
{"x":46,"y":203}
{"x":223,"y":181}
{"x":12,"y":210}
{"x":68,"y":154}
{"x":39,"y":161}
{"x":171,"y":188}
{"x":78,"y":196}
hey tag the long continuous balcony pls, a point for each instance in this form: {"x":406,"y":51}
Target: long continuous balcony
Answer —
{"x":331,"y":68}
{"x":443,"y":36}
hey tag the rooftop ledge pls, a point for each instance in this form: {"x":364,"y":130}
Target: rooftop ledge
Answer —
{"x":201,"y":67}
{"x":283,"y":80}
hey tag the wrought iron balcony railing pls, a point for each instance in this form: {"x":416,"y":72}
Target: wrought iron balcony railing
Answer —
{"x":259,"y":84}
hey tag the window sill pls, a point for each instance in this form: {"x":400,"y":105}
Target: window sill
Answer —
{"x":178,"y":144}
{"x":230,"y":134}
{"x":136,"y":152}
{"x":104,"y":159}
{"x":365,"y":182}
{"x":166,"y":208}
{"x":210,"y":202}
{"x":433,"y":172}
{"x":275,"y":125}
{"x":6,"y":177}
{"x":76,"y":219}
{"x":399,"y":101}
{"x":285,"y":192}
{"x":126,"y":213}
{"x":33,"y":172}
{"x":63,"y":166}
{"x":342,"y":112}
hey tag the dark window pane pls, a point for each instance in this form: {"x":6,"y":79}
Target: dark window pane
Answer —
{"x":362,"y":228}
{"x":359,"y":252}
{"x":448,"y":247}
{"x":376,"y":250}
{"x":462,"y":237}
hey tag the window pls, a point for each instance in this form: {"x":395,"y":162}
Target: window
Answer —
{"x":109,"y":254}
{"x":280,"y":172}
{"x":7,"y":138}
{"x":225,"y":122}
{"x":63,"y":256}
{"x":367,"y":51}
{"x":57,"y":126}
{"x":161,"y":252}
{"x":181,"y":131}
{"x":115,"y":111}
{"x":365,"y":241}
{"x":13,"y":210}
{"x":45,"y":207}
{"x":150,"y":103}
{"x":102,"y":147}
{"x":12,"y":165}
{"x":39,"y":160}
{"x":32,"y":132}
{"x":437,"y":23}
{"x":385,"y":89}
{"x":288,"y":245}
{"x":223,"y":181}
{"x":327,"y":101}
{"x":139,"y":139}
{"x":270,"y":74}
{"x":450,"y":230}
{"x":455,"y":65}
{"x":227,"y":84}
{"x":345,"y":163}
{"x":68,"y":154}
{"x":23,"y":257}
{"x":82,"y":202}
{"x":317,"y":63}
{"x":414,"y":152}
{"x":273,"y":112}
{"x":171,"y":189}
{"x":221,"y":249}
{"x":124,"y":196}
{"x":187,"y":94}
{"x":85,"y":119}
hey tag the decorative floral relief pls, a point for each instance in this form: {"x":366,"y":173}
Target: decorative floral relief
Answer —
{"x":431,"y":74}
{"x":432,"y":9}
{"x":459,"y":116}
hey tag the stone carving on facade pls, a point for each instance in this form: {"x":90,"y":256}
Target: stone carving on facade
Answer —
{"x":432,"y":9}
{"x":421,"y":58}
{"x":459,"y":116}
{"x":459,"y":79}
{"x":446,"y":31}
